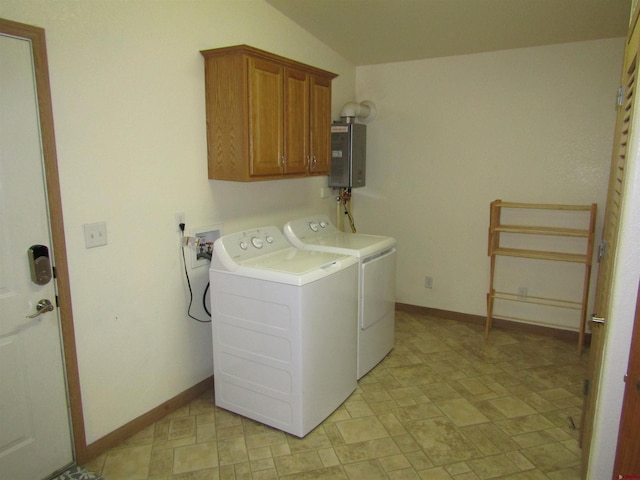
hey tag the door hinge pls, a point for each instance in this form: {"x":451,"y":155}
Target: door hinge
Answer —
{"x":602,"y":250}
{"x":620,"y":95}
{"x":57,"y":303}
{"x":596,"y":319}
{"x":585,"y":387}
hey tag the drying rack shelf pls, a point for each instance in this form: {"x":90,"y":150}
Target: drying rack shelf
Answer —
{"x":496,"y":229}
{"x":541,"y":255}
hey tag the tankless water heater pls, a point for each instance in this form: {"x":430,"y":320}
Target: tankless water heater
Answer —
{"x":348,"y":155}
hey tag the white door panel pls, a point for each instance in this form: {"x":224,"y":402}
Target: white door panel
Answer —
{"x":35,"y":437}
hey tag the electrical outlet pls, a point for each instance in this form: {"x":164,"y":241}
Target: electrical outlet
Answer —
{"x":523,"y":292}
{"x":179,"y":218}
{"x":428,"y":282}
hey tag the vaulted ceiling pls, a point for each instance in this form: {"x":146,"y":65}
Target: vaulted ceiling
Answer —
{"x":383,"y":31}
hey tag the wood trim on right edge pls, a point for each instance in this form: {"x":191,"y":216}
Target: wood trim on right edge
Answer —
{"x":59,"y":245}
{"x":497,"y":322}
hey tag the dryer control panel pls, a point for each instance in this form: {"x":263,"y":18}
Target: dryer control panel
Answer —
{"x":308,"y":227}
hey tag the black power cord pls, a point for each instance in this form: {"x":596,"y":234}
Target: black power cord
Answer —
{"x":186,"y":274}
{"x":204,"y":300}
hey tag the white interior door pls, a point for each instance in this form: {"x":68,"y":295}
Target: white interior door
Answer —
{"x":35,"y":438}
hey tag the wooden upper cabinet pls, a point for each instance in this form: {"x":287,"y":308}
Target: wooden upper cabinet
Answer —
{"x":268,"y":117}
{"x":266,"y":114}
{"x":320,"y":126}
{"x":296,"y":133}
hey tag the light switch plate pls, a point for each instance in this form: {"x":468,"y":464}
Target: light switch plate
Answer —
{"x":95,"y":234}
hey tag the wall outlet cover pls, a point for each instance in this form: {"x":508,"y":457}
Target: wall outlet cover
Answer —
{"x":95,"y":234}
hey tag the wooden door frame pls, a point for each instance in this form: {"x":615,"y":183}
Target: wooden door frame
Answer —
{"x":622,"y":456}
{"x":36,"y":36}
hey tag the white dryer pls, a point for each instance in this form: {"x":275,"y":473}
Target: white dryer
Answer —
{"x":376,"y":280}
{"x":283,"y":324}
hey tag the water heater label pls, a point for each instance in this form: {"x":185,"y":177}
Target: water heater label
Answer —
{"x":336,"y":154}
{"x":339,"y":128}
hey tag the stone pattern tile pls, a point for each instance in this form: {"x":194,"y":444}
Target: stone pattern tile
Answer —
{"x":445,"y":404}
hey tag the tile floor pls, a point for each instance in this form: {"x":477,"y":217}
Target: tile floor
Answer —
{"x":444,"y":404}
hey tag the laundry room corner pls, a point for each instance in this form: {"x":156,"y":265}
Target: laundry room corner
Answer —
{"x":452,"y":134}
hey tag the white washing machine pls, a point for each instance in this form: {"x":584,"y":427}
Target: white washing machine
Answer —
{"x":283,"y":323}
{"x":376,"y":280}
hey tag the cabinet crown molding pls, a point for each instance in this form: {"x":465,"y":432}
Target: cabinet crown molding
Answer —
{"x":258,"y":53}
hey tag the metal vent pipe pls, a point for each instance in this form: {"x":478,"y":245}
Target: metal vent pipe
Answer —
{"x":364,"y":111}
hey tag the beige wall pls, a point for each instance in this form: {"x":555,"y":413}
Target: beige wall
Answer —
{"x":128,"y":99}
{"x":452,"y":134}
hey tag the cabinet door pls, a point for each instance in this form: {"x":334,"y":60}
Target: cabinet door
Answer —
{"x":296,"y":130}
{"x":320,"y":125}
{"x":266,"y":117}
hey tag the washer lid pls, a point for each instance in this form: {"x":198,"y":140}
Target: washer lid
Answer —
{"x":318,"y":233}
{"x":265,"y":254}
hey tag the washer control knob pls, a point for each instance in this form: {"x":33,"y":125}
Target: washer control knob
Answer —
{"x":243,"y":245}
{"x":323,"y":224}
{"x":257,"y":242}
{"x":313,"y":226}
{"x":269,"y":239}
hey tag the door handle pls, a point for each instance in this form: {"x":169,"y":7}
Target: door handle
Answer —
{"x":43,"y":306}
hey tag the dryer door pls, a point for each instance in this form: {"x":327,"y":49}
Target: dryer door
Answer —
{"x":378,"y":288}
